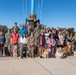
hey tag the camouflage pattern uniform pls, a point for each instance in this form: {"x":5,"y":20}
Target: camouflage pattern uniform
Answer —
{"x":7,"y":36}
{"x":31,"y":45}
{"x":16,"y":27}
{"x":69,"y":43}
{"x":36,"y":35}
{"x":74,"y":44}
{"x":70,"y":38}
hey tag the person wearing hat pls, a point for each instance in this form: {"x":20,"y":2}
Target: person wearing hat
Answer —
{"x":42,"y":29}
{"x":15,"y":26}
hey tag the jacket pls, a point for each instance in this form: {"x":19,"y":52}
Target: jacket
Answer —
{"x":22,"y":31}
{"x":2,"y":38}
{"x":15,"y":38}
{"x":43,"y":40}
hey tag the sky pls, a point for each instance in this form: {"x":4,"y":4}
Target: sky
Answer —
{"x":52,"y":13}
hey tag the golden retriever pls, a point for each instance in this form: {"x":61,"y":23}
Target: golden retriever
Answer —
{"x":45,"y":54}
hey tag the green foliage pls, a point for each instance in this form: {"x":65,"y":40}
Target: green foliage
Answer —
{"x":71,"y":30}
{"x":3,"y":29}
{"x":61,"y":29}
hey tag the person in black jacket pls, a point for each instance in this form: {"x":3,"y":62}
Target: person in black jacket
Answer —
{"x":41,"y":43}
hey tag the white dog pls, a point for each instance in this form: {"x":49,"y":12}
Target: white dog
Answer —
{"x":59,"y":53}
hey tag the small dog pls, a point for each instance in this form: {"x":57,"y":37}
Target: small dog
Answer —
{"x":15,"y":51}
{"x":59,"y":53}
{"x":46,"y":53}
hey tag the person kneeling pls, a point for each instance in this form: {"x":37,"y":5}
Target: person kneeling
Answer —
{"x":23,"y":44}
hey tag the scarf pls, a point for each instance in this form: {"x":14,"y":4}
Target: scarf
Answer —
{"x":50,"y":40}
{"x":41,"y":40}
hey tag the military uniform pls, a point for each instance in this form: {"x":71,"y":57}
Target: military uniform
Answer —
{"x":7,"y":36}
{"x":17,"y":28}
{"x":36,"y":35}
{"x":74,"y":44}
{"x":31,"y":45}
{"x":70,"y":39}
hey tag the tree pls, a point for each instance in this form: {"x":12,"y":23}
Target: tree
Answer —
{"x":3,"y":29}
{"x":71,"y":30}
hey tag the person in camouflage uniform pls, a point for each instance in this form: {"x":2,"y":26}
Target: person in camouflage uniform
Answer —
{"x":31,"y":44}
{"x":74,"y":43}
{"x":69,"y":41}
{"x":15,"y":26}
{"x":66,"y":32}
{"x":42,"y":29}
{"x":36,"y":34}
{"x":70,"y":37}
{"x":7,"y":44}
{"x":74,"y":37}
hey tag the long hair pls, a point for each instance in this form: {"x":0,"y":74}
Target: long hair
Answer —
{"x":23,"y":36}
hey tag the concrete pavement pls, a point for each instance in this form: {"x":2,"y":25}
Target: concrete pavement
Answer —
{"x":37,"y":66}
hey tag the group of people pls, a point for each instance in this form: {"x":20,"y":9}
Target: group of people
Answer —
{"x":40,"y":42}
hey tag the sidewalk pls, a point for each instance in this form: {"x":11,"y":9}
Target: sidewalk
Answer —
{"x":37,"y":66}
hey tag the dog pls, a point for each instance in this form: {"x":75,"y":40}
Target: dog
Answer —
{"x":45,"y":54}
{"x":15,"y":51}
{"x":67,"y":50}
{"x":59,"y":53}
